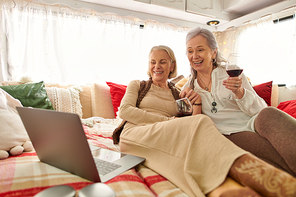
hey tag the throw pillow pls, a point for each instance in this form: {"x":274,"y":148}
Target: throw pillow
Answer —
{"x":30,"y":95}
{"x":12,"y":131}
{"x":264,"y":91}
{"x":65,"y":100}
{"x":289,"y":107}
{"x":117,"y":92}
{"x":181,"y":83}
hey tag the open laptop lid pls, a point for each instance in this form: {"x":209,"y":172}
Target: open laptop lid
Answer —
{"x":59,"y":140}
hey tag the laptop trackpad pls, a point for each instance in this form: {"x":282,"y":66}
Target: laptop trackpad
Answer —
{"x":106,"y":155}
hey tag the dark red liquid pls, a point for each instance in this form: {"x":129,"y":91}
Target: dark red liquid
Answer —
{"x":181,"y":114}
{"x":235,"y":72}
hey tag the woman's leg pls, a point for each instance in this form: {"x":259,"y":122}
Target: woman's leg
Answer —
{"x":261,"y":148}
{"x":188,"y":151}
{"x":262,"y":177}
{"x":279,"y":129}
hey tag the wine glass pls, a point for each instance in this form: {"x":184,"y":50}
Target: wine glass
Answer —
{"x":232,"y":68}
{"x":184,"y":107}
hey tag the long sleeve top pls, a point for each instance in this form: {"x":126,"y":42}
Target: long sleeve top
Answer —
{"x":233,"y":115}
{"x":158,"y":105}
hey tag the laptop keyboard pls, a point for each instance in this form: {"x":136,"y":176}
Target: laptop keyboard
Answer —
{"x":104,"y":167}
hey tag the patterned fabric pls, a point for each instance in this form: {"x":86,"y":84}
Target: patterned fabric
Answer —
{"x":25,"y":175}
{"x":60,"y":98}
{"x":262,"y":177}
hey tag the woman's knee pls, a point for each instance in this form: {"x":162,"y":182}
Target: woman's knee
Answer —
{"x":205,"y":118}
{"x":272,"y":115}
{"x":269,"y":112}
{"x":267,"y":115}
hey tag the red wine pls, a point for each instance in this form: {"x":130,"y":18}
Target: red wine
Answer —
{"x":234,"y":72}
{"x":181,"y":114}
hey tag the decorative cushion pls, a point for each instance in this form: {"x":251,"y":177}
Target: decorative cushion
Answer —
{"x":101,"y":101}
{"x":85,"y":97}
{"x":175,"y":80}
{"x":181,"y":83}
{"x":117,"y":92}
{"x":30,"y":95}
{"x":12,"y":130}
{"x":65,"y":100}
{"x":264,"y":91}
{"x":289,"y":107}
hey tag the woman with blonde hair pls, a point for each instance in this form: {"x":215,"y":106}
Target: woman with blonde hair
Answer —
{"x":189,"y":151}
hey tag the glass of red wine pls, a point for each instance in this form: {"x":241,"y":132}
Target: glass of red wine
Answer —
{"x":184,"y":107}
{"x":232,"y":68}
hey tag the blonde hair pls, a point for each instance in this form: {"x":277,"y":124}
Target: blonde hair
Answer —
{"x":171,"y":55}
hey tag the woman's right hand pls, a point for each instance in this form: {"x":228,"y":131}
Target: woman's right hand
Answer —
{"x":191,"y":95}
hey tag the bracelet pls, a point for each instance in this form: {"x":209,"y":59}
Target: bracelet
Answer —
{"x":196,"y":104}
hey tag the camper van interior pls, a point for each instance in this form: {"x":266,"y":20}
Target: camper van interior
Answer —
{"x":78,"y":56}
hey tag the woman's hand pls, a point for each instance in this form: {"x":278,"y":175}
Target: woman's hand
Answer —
{"x":191,"y":95}
{"x":234,"y":84}
{"x":194,"y":98}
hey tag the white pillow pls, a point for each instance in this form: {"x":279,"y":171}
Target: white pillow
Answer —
{"x":12,"y":130}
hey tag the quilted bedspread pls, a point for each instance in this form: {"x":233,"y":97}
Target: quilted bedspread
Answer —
{"x":25,"y":175}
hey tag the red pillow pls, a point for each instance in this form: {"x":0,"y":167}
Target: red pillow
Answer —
{"x":289,"y":107}
{"x":264,"y":91}
{"x":117,"y":92}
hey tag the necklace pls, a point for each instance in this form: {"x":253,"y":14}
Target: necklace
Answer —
{"x":214,"y":104}
{"x":205,"y":87}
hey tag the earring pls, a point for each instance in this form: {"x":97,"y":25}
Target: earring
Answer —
{"x":214,"y":60}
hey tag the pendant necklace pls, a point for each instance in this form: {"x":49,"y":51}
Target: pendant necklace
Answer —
{"x":205,"y":87}
{"x":214,"y":104}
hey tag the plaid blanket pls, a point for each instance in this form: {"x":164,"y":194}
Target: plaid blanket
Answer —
{"x":25,"y":175}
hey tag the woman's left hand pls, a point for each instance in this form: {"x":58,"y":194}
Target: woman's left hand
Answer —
{"x":235,"y":85}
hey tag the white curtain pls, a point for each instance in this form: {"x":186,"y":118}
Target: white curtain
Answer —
{"x":59,"y":44}
{"x":268,"y":48}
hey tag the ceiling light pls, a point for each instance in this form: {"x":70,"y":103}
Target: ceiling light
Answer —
{"x":213,"y":23}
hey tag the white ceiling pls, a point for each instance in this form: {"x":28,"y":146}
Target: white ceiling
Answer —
{"x":190,"y":13}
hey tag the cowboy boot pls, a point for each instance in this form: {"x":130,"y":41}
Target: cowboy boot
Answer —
{"x":263,"y":177}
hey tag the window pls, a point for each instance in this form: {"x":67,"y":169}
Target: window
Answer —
{"x":62,"y":45}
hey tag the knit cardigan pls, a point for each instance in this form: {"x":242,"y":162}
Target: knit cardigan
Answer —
{"x":144,"y":88}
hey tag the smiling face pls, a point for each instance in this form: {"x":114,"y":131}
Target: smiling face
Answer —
{"x":200,"y":54}
{"x":160,"y":66}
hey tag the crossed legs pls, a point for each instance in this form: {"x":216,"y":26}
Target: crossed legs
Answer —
{"x":274,"y":141}
{"x":279,"y":129}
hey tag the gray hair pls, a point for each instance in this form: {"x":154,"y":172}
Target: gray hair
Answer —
{"x":212,"y":43}
{"x":171,"y":54}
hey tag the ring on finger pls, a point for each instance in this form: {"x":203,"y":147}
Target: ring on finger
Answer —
{"x":236,"y":85}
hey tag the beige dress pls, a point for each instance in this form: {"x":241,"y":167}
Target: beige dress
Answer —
{"x":188,"y":151}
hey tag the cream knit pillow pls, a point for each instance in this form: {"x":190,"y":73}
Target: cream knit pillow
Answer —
{"x":65,"y":100}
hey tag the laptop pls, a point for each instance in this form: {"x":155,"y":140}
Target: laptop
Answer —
{"x":59,"y":140}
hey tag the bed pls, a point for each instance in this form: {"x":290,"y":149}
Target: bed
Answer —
{"x":24,"y":175}
{"x":97,"y":104}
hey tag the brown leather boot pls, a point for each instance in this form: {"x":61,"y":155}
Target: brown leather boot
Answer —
{"x":263,"y":177}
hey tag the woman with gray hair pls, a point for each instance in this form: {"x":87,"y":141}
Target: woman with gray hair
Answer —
{"x":246,"y":120}
{"x":188,"y":151}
